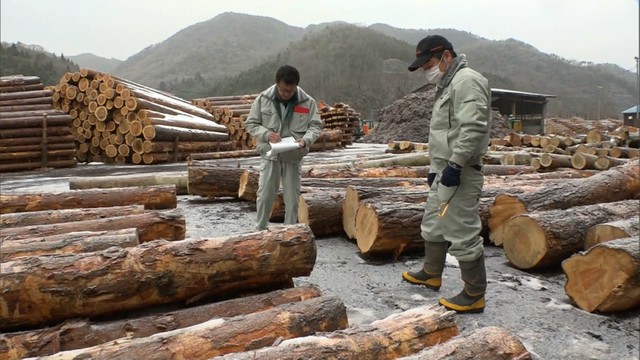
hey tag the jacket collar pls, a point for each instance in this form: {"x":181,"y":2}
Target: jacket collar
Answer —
{"x":271,"y":93}
{"x":458,"y":63}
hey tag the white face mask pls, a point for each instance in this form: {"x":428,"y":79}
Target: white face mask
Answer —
{"x":434,"y":74}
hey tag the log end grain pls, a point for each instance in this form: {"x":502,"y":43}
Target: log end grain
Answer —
{"x":602,"y":233}
{"x":367,"y":226}
{"x":605,"y":278}
{"x":524,"y":242}
{"x":349,"y":209}
{"x":503,"y":208}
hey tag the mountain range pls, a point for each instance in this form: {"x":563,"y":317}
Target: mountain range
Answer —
{"x":365,"y":67}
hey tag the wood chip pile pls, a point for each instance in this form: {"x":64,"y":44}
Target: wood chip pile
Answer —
{"x":32,"y":133}
{"x":118,"y":121}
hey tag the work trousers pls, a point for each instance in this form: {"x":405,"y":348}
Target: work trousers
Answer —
{"x":271,"y":172}
{"x":461,"y":223}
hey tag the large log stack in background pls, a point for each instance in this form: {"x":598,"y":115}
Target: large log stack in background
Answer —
{"x":231,"y":111}
{"x":118,"y":121}
{"x":341,"y":116}
{"x":32,"y":133}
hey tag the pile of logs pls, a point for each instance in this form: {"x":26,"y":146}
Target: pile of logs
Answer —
{"x":231,"y":111}
{"x":341,"y":116}
{"x":32,"y":133}
{"x":118,"y":121}
{"x":121,"y":290}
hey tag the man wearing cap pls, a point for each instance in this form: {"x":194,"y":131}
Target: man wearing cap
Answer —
{"x":458,"y":138}
{"x":282,"y":110}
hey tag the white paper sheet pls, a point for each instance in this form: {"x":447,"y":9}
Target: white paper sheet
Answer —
{"x":285,"y":144}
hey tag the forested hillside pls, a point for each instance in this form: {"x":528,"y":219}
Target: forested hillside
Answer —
{"x":17,"y":59}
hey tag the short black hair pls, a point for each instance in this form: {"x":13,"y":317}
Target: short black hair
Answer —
{"x":288,"y":74}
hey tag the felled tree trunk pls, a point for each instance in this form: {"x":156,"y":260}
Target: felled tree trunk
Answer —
{"x":222,"y":336}
{"x":605,"y":278}
{"x":395,"y":171}
{"x":152,"y":197}
{"x":44,"y":217}
{"x":321,"y":209}
{"x":611,"y":230}
{"x":209,"y":180}
{"x":355,"y":194}
{"x":78,"y":334}
{"x":487,"y":343}
{"x":40,"y":290}
{"x":151,"y":225}
{"x":75,"y":242}
{"x":545,"y":238}
{"x":397,"y":335}
{"x":592,"y":190}
{"x":179,"y":179}
{"x":389,"y":227}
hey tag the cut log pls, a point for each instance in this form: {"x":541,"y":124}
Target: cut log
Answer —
{"x":52,"y":163}
{"x":224,"y":154}
{"x":151,"y":225}
{"x":171,"y":133}
{"x":393,"y":171}
{"x":487,"y":343}
{"x":398,"y":335}
{"x":47,"y":217}
{"x":44,"y":289}
{"x":611,"y":230}
{"x":354,"y":194}
{"x":178,"y":179}
{"x":152,"y":197}
{"x":605,"y":278}
{"x":213,"y":180}
{"x":545,"y":238}
{"x":81,"y":333}
{"x":321,"y":209}
{"x":74,"y":242}
{"x":384,"y":228}
{"x":554,"y":161}
{"x":227,"y":335}
{"x":592,"y":190}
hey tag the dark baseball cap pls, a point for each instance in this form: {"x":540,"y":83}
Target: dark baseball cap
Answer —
{"x":428,"y":47}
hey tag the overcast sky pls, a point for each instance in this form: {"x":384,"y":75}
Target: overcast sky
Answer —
{"x":601,"y":31}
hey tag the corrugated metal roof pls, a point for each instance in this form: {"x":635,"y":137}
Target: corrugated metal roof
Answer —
{"x":520,"y":93}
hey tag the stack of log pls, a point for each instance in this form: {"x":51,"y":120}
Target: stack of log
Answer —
{"x":118,"y":121}
{"x":231,"y":111}
{"x":341,"y":116}
{"x":32,"y":133}
{"x":217,"y":303}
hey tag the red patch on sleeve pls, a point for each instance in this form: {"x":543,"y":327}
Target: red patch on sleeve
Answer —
{"x":300,"y":109}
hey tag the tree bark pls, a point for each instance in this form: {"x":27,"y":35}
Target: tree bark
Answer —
{"x":605,"y":278}
{"x":611,"y":230}
{"x":384,"y":228}
{"x":355,"y":194}
{"x":46,"y":289}
{"x":74,"y":242}
{"x":321,"y":209}
{"x":171,"y":133}
{"x":592,"y":190}
{"x":212,"y":180}
{"x":47,"y":217}
{"x":398,"y":335}
{"x":151,"y":225}
{"x":227,"y":335}
{"x":545,"y":238}
{"x":82,"y":333}
{"x":394,"y":171}
{"x":487,"y":343}
{"x":152,"y":197}
{"x":224,"y":154}
{"x":179,"y":179}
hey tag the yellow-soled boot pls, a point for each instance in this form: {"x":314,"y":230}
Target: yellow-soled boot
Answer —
{"x":430,"y":275}
{"x":432,"y":281}
{"x":471,"y":298}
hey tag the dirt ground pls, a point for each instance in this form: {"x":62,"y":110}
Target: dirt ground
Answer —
{"x":533,"y":305}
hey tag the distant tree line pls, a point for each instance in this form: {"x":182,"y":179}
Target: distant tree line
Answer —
{"x":16,"y":59}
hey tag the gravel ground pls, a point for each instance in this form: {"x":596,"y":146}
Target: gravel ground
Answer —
{"x":534,"y":305}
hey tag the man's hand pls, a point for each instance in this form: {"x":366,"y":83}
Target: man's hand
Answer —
{"x":274,"y":137}
{"x":301,"y":142}
{"x":451,"y":175}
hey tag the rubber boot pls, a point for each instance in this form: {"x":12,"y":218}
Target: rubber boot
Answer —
{"x":435,"y":254}
{"x":471,"y":298}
